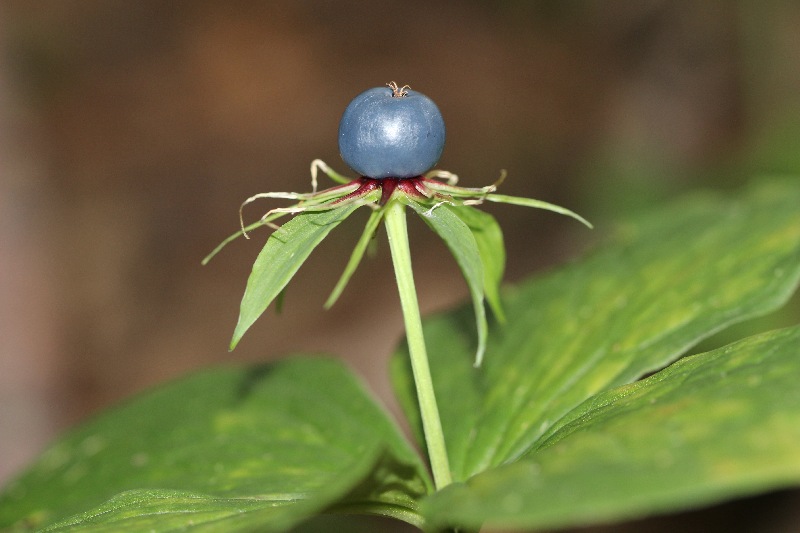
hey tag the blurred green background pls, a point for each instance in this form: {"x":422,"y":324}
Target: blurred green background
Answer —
{"x":130,"y":132}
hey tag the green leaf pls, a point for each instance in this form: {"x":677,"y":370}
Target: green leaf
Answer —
{"x":257,"y":448}
{"x":710,"y":427}
{"x":666,"y":282}
{"x":459,"y":239}
{"x":355,"y":258}
{"x":489,"y":238}
{"x":160,"y":510}
{"x":285,"y":250}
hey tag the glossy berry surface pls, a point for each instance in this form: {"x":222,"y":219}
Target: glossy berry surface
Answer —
{"x":390,"y":132}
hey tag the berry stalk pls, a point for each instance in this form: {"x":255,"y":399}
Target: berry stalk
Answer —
{"x":397,"y":230}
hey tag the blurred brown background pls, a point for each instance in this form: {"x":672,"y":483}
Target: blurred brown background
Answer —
{"x":130,"y":132}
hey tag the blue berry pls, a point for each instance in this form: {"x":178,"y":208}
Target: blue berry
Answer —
{"x":391,"y":132}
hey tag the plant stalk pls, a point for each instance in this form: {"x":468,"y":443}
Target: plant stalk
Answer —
{"x":397,"y":230}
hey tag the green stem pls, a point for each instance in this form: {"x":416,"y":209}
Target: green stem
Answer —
{"x":397,"y":230}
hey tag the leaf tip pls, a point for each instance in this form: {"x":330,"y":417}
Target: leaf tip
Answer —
{"x":497,"y":309}
{"x":478,"y":357}
{"x":330,"y":301}
{"x":579,"y":218}
{"x":237,"y":336}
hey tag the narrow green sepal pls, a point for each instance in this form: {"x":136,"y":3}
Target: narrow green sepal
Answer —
{"x":537,"y":204}
{"x":355,"y":258}
{"x":240,"y":233}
